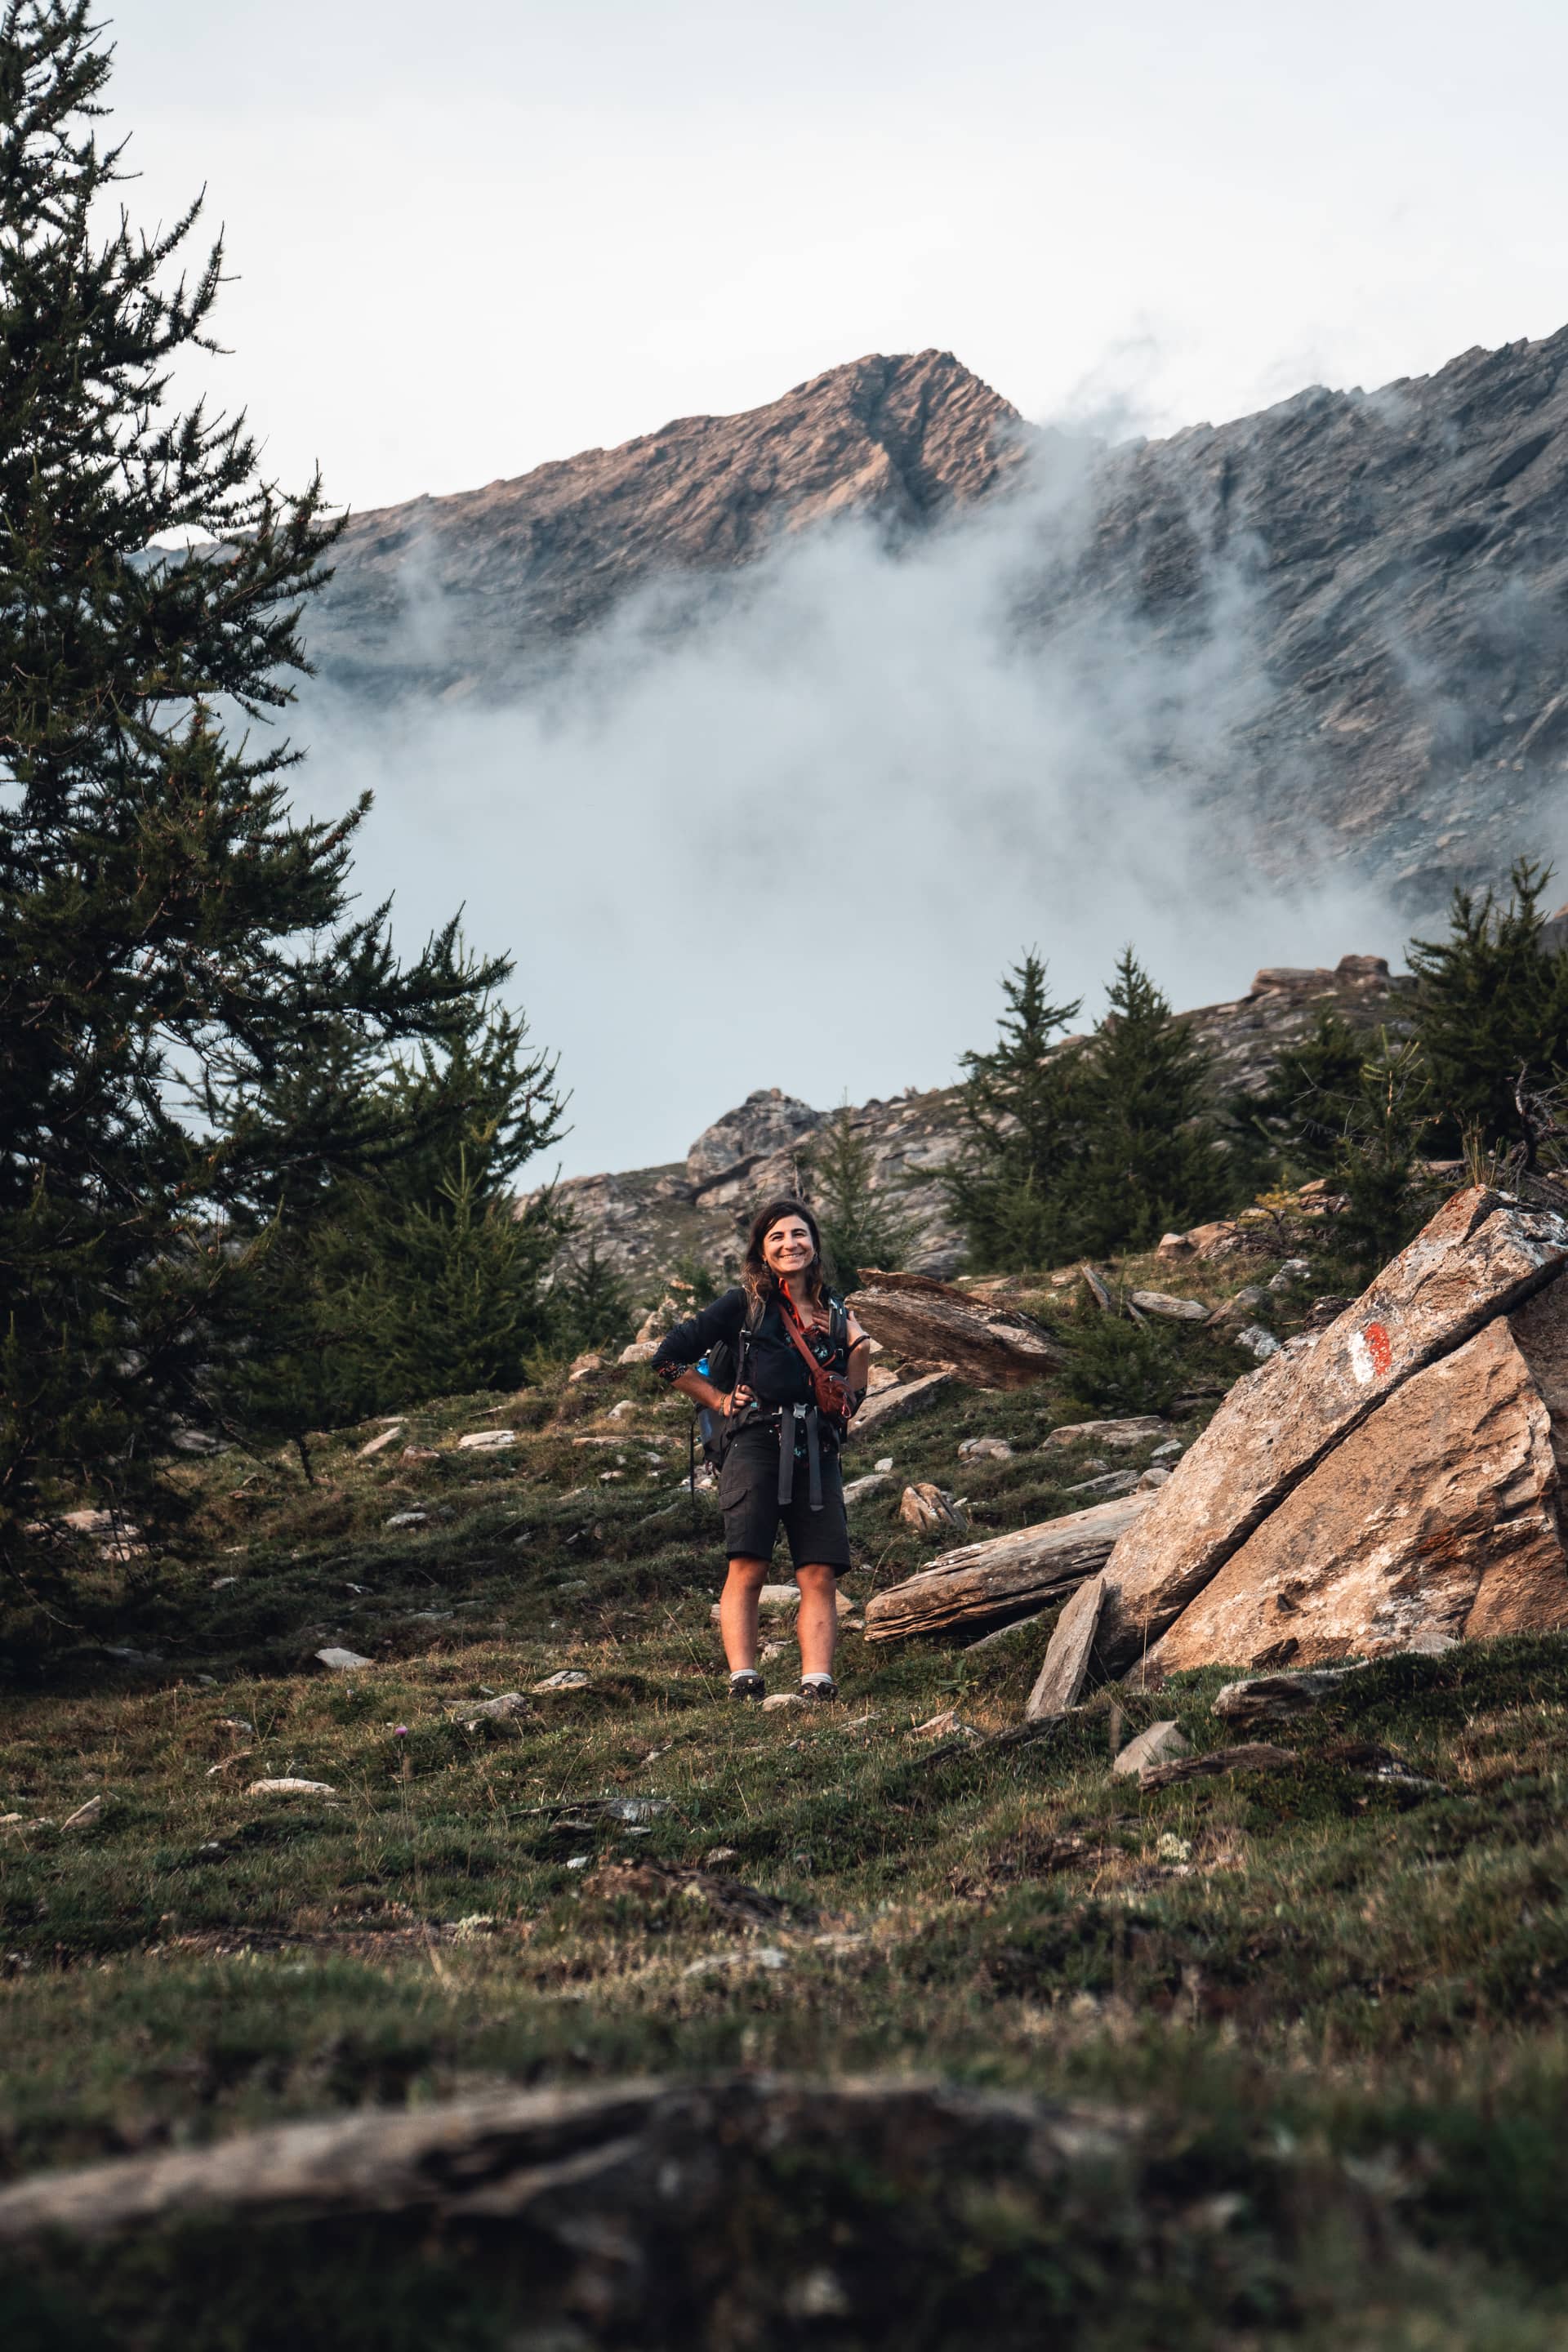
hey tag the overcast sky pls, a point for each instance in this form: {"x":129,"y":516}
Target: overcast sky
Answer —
{"x":470,"y":239}
{"x":474,"y":237}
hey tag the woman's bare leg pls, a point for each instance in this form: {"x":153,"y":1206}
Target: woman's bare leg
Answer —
{"x":818,"y":1618}
{"x":737,"y":1613}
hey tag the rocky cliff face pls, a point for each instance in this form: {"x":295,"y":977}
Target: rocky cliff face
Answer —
{"x":1398,"y":562}
{"x":1381,"y":579}
{"x":648,"y":1219}
{"x":477,"y":591}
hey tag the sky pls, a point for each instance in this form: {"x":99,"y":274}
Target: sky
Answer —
{"x":465,"y":242}
{"x":469,"y":239}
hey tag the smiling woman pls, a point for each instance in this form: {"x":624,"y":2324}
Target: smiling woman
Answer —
{"x":787,"y":1370}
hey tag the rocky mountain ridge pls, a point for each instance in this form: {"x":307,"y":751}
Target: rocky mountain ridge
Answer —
{"x":478,"y":590}
{"x":644,"y":1222}
{"x":1360,"y":599}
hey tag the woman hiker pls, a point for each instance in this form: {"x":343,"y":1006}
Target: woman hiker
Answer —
{"x":799,"y":1362}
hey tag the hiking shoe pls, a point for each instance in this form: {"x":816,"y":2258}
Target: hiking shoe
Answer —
{"x":819,"y":1690}
{"x":747,"y":1686}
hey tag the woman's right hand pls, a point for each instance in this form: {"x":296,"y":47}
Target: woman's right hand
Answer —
{"x":737,"y":1399}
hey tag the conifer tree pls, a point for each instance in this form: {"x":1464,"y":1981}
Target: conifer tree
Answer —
{"x":153,"y":886}
{"x":861,"y":1226}
{"x":1148,"y":1155}
{"x":1492,"y":1010}
{"x":1016,"y":1120}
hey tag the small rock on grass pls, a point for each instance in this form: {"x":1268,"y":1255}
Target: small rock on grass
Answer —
{"x":568,"y":1678}
{"x":85,"y":1815}
{"x":291,"y":1788}
{"x":379,"y":1445}
{"x":782,"y":1698}
{"x":486,"y":1441}
{"x":926,"y":1508}
{"x":342,"y":1662}
{"x":421,"y":1454}
{"x":1162,"y":1743}
{"x":1135,"y":1432}
{"x":408,"y":1519}
{"x":1175,"y":1310}
{"x":984,"y":1449}
{"x":492,"y":1710}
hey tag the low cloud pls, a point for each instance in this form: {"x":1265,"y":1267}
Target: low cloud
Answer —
{"x":794,"y":837}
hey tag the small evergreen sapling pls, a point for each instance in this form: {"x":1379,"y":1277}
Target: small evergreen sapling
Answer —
{"x":1017,"y":1122}
{"x":862,"y":1227}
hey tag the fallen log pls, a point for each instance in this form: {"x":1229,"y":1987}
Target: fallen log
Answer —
{"x":1004,"y":1576}
{"x":996,"y":1346}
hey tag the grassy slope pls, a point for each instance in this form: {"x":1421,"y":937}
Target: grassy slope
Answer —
{"x":1308,"y":1955}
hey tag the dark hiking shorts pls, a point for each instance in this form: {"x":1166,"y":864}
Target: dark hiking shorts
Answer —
{"x":749,"y":1497}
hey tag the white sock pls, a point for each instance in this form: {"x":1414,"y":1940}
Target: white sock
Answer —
{"x":817,"y":1678}
{"x":739,"y":1673}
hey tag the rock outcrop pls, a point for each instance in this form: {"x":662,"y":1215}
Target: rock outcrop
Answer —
{"x":645,"y":1221}
{"x":476,"y":593}
{"x":1387,"y":1483}
{"x":913,"y":1315}
{"x":1385,"y":575}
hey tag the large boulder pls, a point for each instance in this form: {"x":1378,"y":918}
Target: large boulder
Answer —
{"x":1483,"y":1256}
{"x":998,"y":1346}
{"x":1435,"y":1519}
{"x":766,"y":1122}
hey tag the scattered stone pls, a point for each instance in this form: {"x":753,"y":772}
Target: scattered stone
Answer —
{"x":619,"y":1410}
{"x":1097,"y":1289}
{"x":926,"y":1508}
{"x":945,"y":1726}
{"x":1173,"y":1245}
{"x":860,"y":1490}
{"x":1161,"y":1744}
{"x":407,"y":1519}
{"x":85,"y":1815}
{"x":719,"y":1857}
{"x":342,"y":1662}
{"x":222,"y":1583}
{"x":1480,"y":1257}
{"x":1278,"y":1698}
{"x":1291,"y":1275}
{"x":1258,"y":1343}
{"x":1115,"y":1482}
{"x":486,"y":1441}
{"x":767,"y":1957}
{"x":474,"y":1712}
{"x":890,"y":1404}
{"x":585,"y":1367}
{"x":379,"y":1445}
{"x":772,"y":1650}
{"x":197,"y":1441}
{"x":1071,"y":1646}
{"x":1162,"y":1453}
{"x":638,"y":1351}
{"x":568,"y":1678}
{"x":884,"y":1462}
{"x":1155,"y":1476}
{"x":1136,"y":1431}
{"x":984,"y":1449}
{"x":291,"y":1788}
{"x":776,"y":1700}
{"x":1256,"y":1756}
{"x":1176,"y":1310}
{"x":421,"y":1454}
{"x":912,"y":1315}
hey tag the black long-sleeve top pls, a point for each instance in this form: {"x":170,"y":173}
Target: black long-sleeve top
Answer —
{"x":775,"y":1370}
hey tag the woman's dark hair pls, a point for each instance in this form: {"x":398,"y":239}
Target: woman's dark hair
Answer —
{"x":756,"y":1273}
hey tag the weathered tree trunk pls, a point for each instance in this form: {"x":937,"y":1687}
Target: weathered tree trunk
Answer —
{"x":1005,"y":1576}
